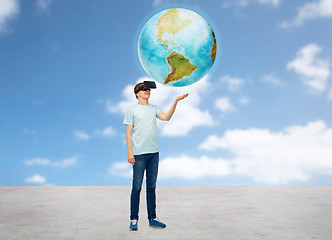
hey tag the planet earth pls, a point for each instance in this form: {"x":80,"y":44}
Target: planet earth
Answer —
{"x":177,"y":47}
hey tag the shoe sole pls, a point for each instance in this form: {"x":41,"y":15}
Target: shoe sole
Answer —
{"x":156,"y":226}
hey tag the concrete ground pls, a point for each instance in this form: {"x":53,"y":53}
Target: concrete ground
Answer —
{"x":230,"y":213}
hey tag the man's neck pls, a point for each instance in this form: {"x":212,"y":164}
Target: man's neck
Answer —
{"x":143,"y":101}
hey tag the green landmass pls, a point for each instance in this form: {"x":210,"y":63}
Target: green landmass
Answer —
{"x":180,"y":67}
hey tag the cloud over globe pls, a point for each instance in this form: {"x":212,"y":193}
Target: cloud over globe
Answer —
{"x":177,"y":47}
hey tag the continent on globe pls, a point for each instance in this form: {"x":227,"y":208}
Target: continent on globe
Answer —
{"x":177,"y":47}
{"x":214,"y":48}
{"x":180,"y":67}
{"x":170,"y":22}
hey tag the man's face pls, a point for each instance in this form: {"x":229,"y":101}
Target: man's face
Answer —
{"x":144,"y":94}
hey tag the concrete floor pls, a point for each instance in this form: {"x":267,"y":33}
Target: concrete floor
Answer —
{"x":230,"y":213}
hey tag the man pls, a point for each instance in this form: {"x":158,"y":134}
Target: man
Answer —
{"x":143,"y":151}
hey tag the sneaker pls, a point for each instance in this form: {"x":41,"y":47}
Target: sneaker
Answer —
{"x":133,"y":225}
{"x":156,"y":223}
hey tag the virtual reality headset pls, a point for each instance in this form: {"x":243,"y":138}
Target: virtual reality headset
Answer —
{"x":147,"y":85}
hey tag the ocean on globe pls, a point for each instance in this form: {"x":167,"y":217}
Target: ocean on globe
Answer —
{"x":177,"y":47}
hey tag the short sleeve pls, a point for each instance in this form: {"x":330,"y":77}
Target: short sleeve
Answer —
{"x":157,"y":110}
{"x":129,"y":118}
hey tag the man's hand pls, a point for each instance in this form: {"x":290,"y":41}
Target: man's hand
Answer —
{"x":166,"y":117}
{"x":131,"y":158}
{"x":182,"y":97}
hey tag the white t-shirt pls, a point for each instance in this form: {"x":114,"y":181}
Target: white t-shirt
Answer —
{"x":143,"y":120}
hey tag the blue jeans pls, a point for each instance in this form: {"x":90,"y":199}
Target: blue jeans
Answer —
{"x":148,"y":162}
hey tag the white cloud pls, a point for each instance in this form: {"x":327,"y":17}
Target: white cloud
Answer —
{"x":37,"y":161}
{"x":233,"y":83}
{"x":8,"y":10}
{"x":244,"y":3}
{"x":81,"y":136}
{"x":294,"y":154}
{"x":129,"y":99}
{"x":313,"y":70}
{"x":46,"y":162}
{"x":123,"y":169}
{"x":156,"y":3}
{"x":312,"y":10}
{"x":271,"y":78}
{"x":186,"y":167}
{"x":65,"y":162}
{"x":44,"y":5}
{"x":183,"y":167}
{"x":240,"y":3}
{"x":107,"y":132}
{"x":272,"y":2}
{"x":187,"y":116}
{"x":36,"y":179}
{"x":224,"y":104}
{"x":244,"y":101}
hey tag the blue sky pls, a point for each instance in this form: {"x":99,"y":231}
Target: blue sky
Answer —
{"x":262,"y":115}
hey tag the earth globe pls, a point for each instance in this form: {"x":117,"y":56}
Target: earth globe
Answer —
{"x":177,"y":47}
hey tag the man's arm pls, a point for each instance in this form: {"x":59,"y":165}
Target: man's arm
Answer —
{"x":166,"y":117}
{"x":131,"y":158}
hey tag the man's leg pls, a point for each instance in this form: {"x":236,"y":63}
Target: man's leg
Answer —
{"x":138,"y":174}
{"x":151,"y":180}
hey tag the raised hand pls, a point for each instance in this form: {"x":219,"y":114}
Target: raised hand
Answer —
{"x":182,"y":97}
